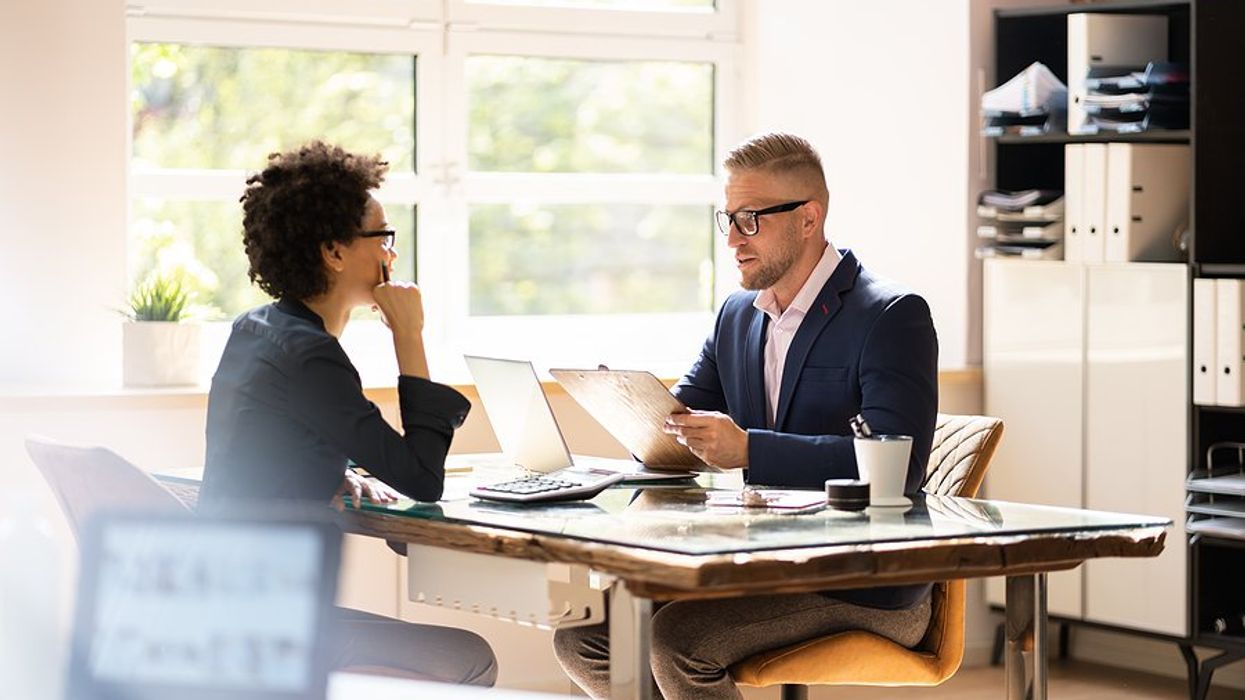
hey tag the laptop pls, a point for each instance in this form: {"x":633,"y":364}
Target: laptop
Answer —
{"x":527,"y":430}
{"x":179,"y":606}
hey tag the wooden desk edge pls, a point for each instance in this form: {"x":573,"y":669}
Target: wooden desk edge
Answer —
{"x":668,"y":576}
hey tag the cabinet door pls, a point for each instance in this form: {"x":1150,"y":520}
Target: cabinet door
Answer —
{"x":1033,"y":356}
{"x":1136,"y":393}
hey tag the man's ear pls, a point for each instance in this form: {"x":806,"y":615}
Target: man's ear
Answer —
{"x":331,"y":254}
{"x":811,"y":216}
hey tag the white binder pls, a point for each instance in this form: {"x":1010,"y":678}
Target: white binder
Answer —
{"x":1147,"y":201}
{"x":1204,"y":320}
{"x":1108,"y":40}
{"x":1094,"y":203}
{"x":1074,"y":202}
{"x":1228,"y":345}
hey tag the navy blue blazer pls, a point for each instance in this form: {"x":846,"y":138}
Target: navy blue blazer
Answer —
{"x":866,"y":346}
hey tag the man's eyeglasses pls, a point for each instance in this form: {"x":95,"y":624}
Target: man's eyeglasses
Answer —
{"x":746,"y":220}
{"x":388,"y":235}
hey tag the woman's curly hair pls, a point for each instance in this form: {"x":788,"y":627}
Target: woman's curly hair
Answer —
{"x":303,"y":199}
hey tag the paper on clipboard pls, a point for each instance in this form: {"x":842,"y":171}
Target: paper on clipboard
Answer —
{"x":632,"y":406}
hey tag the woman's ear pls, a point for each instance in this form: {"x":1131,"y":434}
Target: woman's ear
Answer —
{"x":331,"y":253}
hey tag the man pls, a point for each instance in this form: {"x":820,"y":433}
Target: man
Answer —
{"x":813,"y":340}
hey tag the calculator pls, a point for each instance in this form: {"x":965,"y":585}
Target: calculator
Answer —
{"x":563,"y":485}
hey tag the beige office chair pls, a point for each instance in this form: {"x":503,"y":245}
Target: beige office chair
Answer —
{"x":963,"y":446}
{"x":89,"y":479}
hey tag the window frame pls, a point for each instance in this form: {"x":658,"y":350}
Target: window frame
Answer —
{"x":628,"y":337}
{"x":441,"y":37}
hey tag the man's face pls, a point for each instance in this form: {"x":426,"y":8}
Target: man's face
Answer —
{"x":765,"y":258}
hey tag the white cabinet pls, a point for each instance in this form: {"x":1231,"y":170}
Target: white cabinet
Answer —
{"x":1033,"y":356}
{"x":1088,"y":367}
{"x":1136,"y":393}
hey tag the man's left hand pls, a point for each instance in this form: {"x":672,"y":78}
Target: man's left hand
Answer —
{"x":711,"y":436}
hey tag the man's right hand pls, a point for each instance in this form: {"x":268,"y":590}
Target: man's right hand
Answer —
{"x":401,"y":306}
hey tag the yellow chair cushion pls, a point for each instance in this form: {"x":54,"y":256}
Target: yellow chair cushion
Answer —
{"x":864,"y":658}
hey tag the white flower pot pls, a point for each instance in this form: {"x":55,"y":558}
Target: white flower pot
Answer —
{"x":160,"y":353}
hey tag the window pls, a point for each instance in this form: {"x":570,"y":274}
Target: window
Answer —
{"x":557,"y":158}
{"x":215,"y":111}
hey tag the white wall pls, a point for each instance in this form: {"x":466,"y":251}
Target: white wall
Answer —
{"x":63,"y":147}
{"x":881,"y":89}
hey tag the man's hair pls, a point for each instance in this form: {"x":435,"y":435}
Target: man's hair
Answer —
{"x":778,"y":153}
{"x":304,"y":198}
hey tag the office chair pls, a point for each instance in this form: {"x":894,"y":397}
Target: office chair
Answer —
{"x":88,"y":479}
{"x":962,"y":448}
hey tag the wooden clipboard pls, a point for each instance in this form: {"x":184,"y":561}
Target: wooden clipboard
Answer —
{"x":632,"y":406}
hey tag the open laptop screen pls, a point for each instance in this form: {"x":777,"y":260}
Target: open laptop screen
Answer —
{"x":197,"y":608}
{"x":519,"y":413}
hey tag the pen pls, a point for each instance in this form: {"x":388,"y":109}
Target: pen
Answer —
{"x":384,"y":272}
{"x":860,"y":426}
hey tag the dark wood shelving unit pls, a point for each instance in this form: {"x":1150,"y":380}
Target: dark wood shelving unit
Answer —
{"x":1152,"y":136}
{"x":1206,"y":34}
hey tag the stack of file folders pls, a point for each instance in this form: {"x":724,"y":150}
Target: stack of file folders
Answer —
{"x":1128,"y":100}
{"x":1027,"y":224}
{"x":1033,"y":102}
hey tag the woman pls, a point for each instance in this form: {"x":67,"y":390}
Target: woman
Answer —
{"x":286,"y":412}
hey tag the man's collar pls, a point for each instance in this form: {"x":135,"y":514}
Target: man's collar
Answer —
{"x":812,"y":286}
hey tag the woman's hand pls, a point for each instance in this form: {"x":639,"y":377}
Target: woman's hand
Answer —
{"x":401,"y":306}
{"x":359,"y":488}
{"x":402,"y":309}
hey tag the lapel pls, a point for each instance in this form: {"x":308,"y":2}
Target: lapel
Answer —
{"x":754,"y":371}
{"x":824,"y":309}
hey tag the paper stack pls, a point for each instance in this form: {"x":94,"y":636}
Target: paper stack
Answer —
{"x":1033,"y":102}
{"x":1123,"y":100}
{"x":1027,"y":224}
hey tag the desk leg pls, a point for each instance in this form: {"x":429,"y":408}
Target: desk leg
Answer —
{"x":1040,"y":645}
{"x":631,"y":621}
{"x":1026,"y":618}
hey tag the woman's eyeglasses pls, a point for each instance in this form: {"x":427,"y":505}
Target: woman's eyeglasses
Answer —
{"x":388,"y":235}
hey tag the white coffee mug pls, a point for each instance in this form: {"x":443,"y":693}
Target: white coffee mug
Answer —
{"x":882,"y":460}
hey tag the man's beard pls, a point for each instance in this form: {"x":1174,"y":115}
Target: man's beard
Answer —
{"x":770,"y":271}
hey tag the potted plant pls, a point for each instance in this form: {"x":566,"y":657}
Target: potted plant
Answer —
{"x":159,"y":348}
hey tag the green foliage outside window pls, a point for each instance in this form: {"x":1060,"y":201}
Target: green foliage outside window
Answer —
{"x":590,"y":259}
{"x":206,"y":108}
{"x":570,"y":116}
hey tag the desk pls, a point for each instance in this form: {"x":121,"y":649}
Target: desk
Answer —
{"x":666,"y":544}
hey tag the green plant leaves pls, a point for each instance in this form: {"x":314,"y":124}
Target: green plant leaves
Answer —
{"x":160,"y":298}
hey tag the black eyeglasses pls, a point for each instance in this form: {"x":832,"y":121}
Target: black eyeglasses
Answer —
{"x":388,"y":234}
{"x":746,"y":220}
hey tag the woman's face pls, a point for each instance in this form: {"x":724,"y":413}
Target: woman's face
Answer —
{"x":364,"y":257}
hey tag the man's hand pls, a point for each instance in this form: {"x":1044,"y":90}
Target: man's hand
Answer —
{"x":711,"y":436}
{"x":358,"y":488}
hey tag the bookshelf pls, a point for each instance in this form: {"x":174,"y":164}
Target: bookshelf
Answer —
{"x":1205,"y":34}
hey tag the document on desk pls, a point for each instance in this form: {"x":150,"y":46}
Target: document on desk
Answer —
{"x":781,"y":500}
{"x":632,"y":406}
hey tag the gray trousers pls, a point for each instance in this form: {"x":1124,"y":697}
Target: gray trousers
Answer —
{"x":695,"y":642}
{"x":428,"y":652}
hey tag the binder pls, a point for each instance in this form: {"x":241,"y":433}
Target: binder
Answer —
{"x":1228,"y":346}
{"x":1147,"y":201}
{"x":1073,"y":198}
{"x":1094,"y":203}
{"x":1096,"y":40}
{"x":1204,"y":320}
